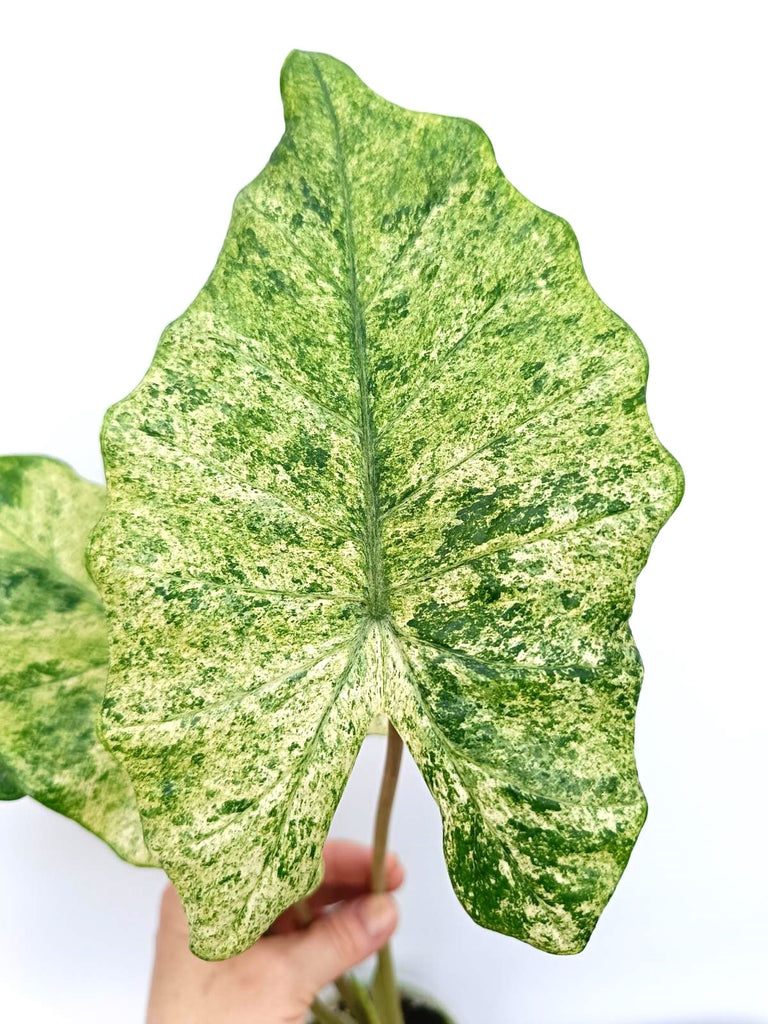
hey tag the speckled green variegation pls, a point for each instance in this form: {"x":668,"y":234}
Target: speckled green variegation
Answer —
{"x":53,"y":655}
{"x":394,"y":457}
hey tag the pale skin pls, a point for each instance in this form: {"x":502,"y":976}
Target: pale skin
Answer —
{"x":275,"y":981}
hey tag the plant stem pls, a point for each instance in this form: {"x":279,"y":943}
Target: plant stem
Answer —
{"x":386,"y":985}
{"x":356,"y":998}
{"x":324,"y":1015}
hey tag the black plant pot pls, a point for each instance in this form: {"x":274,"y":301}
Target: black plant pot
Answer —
{"x":419,"y":1008}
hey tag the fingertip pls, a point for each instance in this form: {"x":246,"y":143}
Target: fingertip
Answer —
{"x":170,"y":903}
{"x":341,"y":939}
{"x":172,"y":918}
{"x":344,"y":859}
{"x":395,"y":873}
{"x":379,"y":916}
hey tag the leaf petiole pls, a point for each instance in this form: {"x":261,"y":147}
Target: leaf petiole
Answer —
{"x":384,"y":991}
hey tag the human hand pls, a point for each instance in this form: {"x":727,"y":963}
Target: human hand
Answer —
{"x":275,"y":981}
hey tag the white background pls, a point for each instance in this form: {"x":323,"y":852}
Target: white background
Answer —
{"x":127,"y":130}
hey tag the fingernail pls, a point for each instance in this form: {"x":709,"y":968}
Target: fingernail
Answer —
{"x":377,"y":913}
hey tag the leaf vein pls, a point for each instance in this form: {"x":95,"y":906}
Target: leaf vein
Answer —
{"x":433,"y":374}
{"x":323,"y":274}
{"x":573,"y":527}
{"x":410,"y":242}
{"x":557,"y":400}
{"x":310,"y":399}
{"x":234,"y":696}
{"x":224,"y":471}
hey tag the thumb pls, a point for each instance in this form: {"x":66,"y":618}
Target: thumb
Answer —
{"x":337,"y":941}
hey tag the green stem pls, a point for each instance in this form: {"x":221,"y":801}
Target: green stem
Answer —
{"x":354,"y":995}
{"x":324,"y":1015}
{"x":386,"y":990}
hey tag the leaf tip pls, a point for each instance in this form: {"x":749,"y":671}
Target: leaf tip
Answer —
{"x":306,"y":73}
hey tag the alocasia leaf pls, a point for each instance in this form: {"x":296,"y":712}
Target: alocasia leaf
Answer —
{"x":394,"y":457}
{"x":53,"y":655}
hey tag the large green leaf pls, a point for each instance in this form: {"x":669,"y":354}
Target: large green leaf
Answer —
{"x":394,"y":457}
{"x":53,"y":655}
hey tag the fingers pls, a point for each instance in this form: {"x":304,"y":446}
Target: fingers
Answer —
{"x":338,"y":941}
{"x":350,"y":863}
{"x":173,"y":920}
{"x":283,"y":972}
{"x":347,"y":874}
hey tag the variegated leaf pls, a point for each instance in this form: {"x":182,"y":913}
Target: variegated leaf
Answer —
{"x":396,"y":458}
{"x":53,"y":655}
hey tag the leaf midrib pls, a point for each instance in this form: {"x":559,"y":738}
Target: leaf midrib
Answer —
{"x":376,"y":588}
